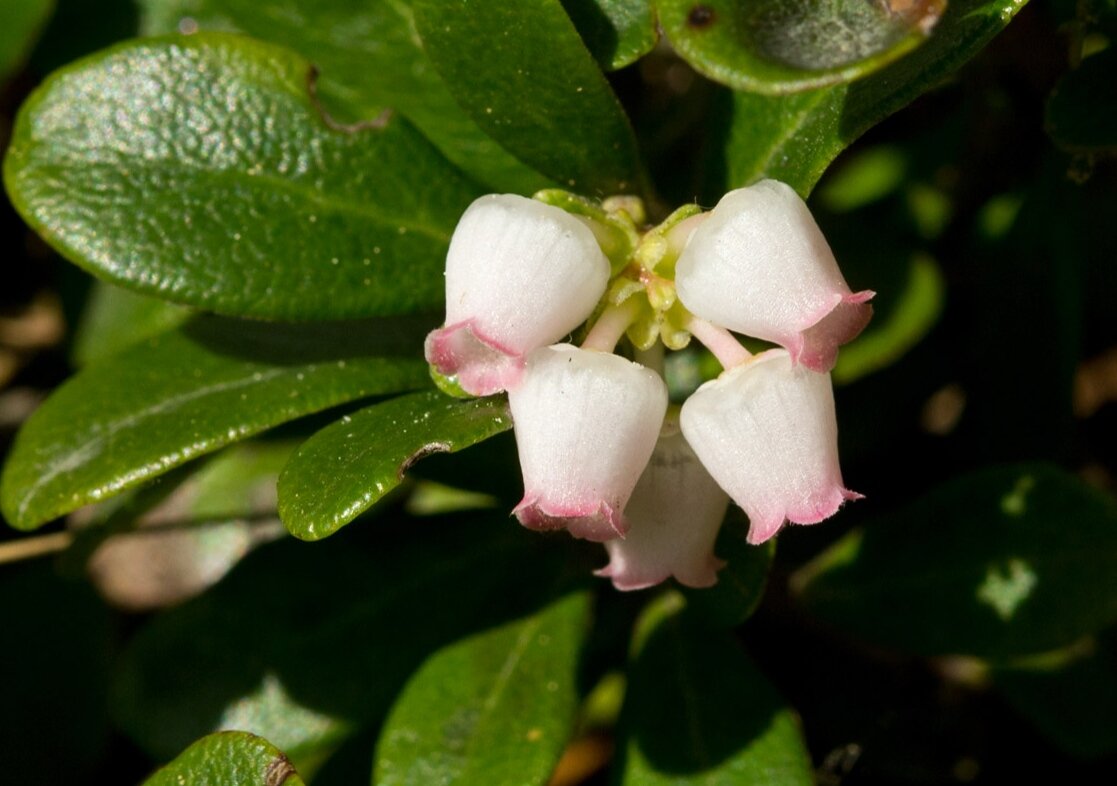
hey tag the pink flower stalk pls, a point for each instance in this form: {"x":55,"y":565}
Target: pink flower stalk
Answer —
{"x":674,"y":517}
{"x":586,"y":424}
{"x":520,"y":274}
{"x":759,"y":265}
{"x":767,"y":432}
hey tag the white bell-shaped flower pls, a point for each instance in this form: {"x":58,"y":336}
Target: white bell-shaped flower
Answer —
{"x":674,"y":517}
{"x":759,"y":265}
{"x":520,"y":274}
{"x":586,"y":423}
{"x":767,"y":433}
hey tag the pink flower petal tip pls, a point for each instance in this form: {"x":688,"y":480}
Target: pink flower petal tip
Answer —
{"x":481,"y":365}
{"x":816,"y":347}
{"x":596,"y":522}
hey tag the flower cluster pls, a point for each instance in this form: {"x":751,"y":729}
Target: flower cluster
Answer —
{"x":603,"y":455}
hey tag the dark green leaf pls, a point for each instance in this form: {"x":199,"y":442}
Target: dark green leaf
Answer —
{"x":776,"y":47}
{"x":617,"y":32}
{"x":232,"y":758}
{"x":304,"y":643}
{"x":697,"y":712}
{"x":189,"y":392}
{"x":115,"y":319}
{"x":1072,"y":699}
{"x":1002,"y":562}
{"x":199,"y":170}
{"x":741,"y":582}
{"x":370,"y":58}
{"x":23,"y":21}
{"x":1082,"y":110}
{"x":794,"y":138}
{"x":521,"y":72}
{"x":56,"y":655}
{"x":347,"y":467}
{"x":496,"y":708}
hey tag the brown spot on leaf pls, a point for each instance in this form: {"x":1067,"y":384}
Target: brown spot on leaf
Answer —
{"x":700,"y":17}
{"x":422,"y":453}
{"x":278,"y":771}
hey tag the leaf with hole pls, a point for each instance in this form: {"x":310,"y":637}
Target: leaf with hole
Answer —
{"x":346,"y":468}
{"x":776,"y":47}
{"x":794,"y":138}
{"x":232,"y":758}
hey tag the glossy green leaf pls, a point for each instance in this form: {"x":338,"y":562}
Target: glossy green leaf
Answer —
{"x":697,"y":712}
{"x":496,"y":708}
{"x":232,"y":758}
{"x":1070,"y":697}
{"x":1003,"y":562}
{"x":617,"y":32}
{"x":189,"y":392}
{"x":115,"y":319}
{"x":306,"y":643}
{"x":776,"y":47}
{"x":199,"y":170}
{"x":23,"y":21}
{"x":741,"y":583}
{"x":1082,"y":110}
{"x":347,"y":467}
{"x":794,"y":138}
{"x":56,"y":653}
{"x":521,"y":72}
{"x":370,"y":59}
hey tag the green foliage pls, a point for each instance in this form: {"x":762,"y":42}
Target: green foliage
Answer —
{"x":347,"y":640}
{"x":23,"y":20}
{"x":495,"y":708}
{"x":232,"y":758}
{"x":557,"y":114}
{"x":189,"y":392}
{"x":1082,"y":110}
{"x":1003,"y":562}
{"x":794,"y":138}
{"x":200,"y":169}
{"x":298,"y":167}
{"x":370,"y":59}
{"x":349,"y":466}
{"x":698,"y":712}
{"x":776,"y":47}
{"x":617,"y":32}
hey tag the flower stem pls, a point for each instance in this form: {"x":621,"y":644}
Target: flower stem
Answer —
{"x":610,"y":326}
{"x":726,"y":348}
